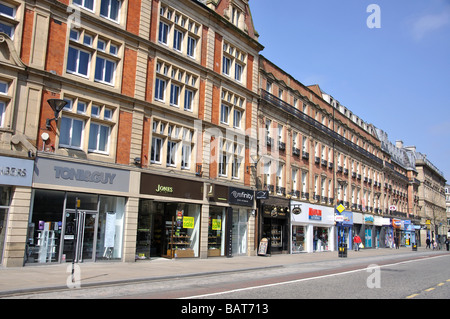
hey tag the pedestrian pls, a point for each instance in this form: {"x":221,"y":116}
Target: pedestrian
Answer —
{"x":428,"y":243}
{"x":357,"y":242}
{"x":397,"y":242}
{"x":447,"y":243}
{"x":433,"y":243}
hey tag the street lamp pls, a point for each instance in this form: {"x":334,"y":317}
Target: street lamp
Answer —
{"x":57,"y":105}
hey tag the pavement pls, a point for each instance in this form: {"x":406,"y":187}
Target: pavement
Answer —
{"x":37,"y":278}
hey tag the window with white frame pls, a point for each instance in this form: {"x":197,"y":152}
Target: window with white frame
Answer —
{"x":178,"y":31}
{"x":110,"y":9}
{"x":4,"y":88}
{"x":89,"y":119}
{"x":268,"y":129}
{"x":156,"y":150}
{"x":2,"y":113}
{"x":87,"y":4}
{"x":186,"y":148}
{"x":235,"y":16}
{"x":181,"y":85}
{"x":304,"y":181}
{"x":267,"y":171}
{"x":305,"y":144}
{"x":294,"y":181}
{"x":172,"y":145}
{"x":232,"y":105}
{"x":99,"y":138}
{"x":84,"y":48}
{"x":280,"y":186}
{"x":323,"y":186}
{"x":8,"y":20}
{"x":171,"y":153}
{"x":233,"y":62}
{"x":230,"y":159}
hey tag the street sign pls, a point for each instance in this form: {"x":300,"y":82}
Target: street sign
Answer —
{"x":392,"y":208}
{"x":340,"y":208}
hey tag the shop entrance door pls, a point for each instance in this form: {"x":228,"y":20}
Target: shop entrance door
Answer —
{"x":368,"y":237}
{"x":80,"y":236}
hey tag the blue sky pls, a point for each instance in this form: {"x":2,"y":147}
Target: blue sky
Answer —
{"x":396,"y":77}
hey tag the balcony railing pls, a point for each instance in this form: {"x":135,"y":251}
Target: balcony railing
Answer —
{"x":309,"y":120}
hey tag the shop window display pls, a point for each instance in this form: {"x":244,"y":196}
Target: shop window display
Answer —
{"x":320,"y":239}
{"x":4,"y":203}
{"x":298,"y":239}
{"x":216,"y":231}
{"x":168,"y":230}
{"x":45,"y":226}
{"x":61,"y":231}
{"x":239,"y":235}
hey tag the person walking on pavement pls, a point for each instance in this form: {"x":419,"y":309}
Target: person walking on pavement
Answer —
{"x":432,"y":243}
{"x":428,"y":243}
{"x":447,"y":243}
{"x":357,"y":241}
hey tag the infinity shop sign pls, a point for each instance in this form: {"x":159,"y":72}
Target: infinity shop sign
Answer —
{"x":69,"y":174}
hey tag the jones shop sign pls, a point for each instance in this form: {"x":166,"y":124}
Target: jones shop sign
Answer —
{"x":240,"y":196}
{"x":71,"y":174}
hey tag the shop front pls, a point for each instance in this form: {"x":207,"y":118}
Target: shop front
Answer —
{"x":396,"y":232}
{"x":381,"y":228}
{"x":409,"y":234}
{"x":313,"y":228}
{"x":241,"y":203}
{"x":275,"y":224}
{"x":344,"y":226}
{"x":217,"y":219}
{"x":369,"y":232}
{"x":76,"y":212}
{"x":358,"y":225}
{"x":168,"y":217}
{"x":15,"y":181}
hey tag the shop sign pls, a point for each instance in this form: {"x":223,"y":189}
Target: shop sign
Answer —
{"x":315,"y":214}
{"x":345,"y":219}
{"x":70,"y":174}
{"x":305,"y":213}
{"x":170,"y":187}
{"x":240,"y":196}
{"x":16,"y":171}
{"x":164,"y":189}
{"x":368,"y":219}
{"x":262,"y":194}
{"x":396,"y":223}
{"x":296,"y":210}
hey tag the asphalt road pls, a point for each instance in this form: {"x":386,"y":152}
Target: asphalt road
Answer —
{"x":386,"y":277}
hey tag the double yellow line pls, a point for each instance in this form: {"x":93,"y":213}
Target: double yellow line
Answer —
{"x":429,"y":289}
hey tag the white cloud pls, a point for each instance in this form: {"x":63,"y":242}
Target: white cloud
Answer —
{"x":429,"y":23}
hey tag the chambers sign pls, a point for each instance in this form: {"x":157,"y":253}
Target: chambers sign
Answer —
{"x":70,"y":174}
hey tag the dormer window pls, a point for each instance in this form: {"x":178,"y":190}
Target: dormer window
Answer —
{"x":235,"y":16}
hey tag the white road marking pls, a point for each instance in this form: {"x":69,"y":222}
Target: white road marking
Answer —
{"x":304,"y":279}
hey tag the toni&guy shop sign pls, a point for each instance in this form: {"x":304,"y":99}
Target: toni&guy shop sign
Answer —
{"x":70,"y":174}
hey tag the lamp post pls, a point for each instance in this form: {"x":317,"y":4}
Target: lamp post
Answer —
{"x":57,"y":105}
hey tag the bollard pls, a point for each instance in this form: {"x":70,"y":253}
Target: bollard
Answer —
{"x":342,"y":251}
